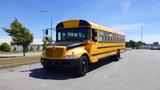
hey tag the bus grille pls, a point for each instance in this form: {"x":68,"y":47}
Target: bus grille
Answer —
{"x":54,"y":52}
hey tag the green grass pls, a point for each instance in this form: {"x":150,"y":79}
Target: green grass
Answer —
{"x":18,"y":61}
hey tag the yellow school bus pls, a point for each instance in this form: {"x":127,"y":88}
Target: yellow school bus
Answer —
{"x":79,"y":42}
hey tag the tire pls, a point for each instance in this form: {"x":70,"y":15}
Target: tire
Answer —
{"x":82,"y":67}
{"x":47,"y":68}
{"x":117,"y":56}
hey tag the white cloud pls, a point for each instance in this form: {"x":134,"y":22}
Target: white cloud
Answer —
{"x":37,"y":41}
{"x":128,"y":26}
{"x":151,"y":38}
{"x":125,"y":6}
{"x":7,"y":39}
{"x":133,"y":32}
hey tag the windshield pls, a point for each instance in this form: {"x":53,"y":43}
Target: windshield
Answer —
{"x":73,"y":34}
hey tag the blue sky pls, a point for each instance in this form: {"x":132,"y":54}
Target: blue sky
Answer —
{"x":124,"y":15}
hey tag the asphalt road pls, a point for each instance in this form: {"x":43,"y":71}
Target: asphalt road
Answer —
{"x":136,"y":70}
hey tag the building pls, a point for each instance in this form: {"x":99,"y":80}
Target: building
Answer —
{"x":35,"y":47}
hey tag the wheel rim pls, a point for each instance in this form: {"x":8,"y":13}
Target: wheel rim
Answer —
{"x":84,"y":66}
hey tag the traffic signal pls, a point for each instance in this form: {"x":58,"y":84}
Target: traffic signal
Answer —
{"x":46,"y":32}
{"x":46,"y":38}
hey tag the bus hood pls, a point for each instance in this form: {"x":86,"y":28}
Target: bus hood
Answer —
{"x":69,"y":45}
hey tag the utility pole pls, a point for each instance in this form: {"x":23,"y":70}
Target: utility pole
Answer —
{"x":51,"y":29}
{"x":141,"y":28}
{"x":43,"y":33}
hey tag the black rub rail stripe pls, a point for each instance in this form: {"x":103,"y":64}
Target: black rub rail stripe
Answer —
{"x":109,"y":46}
{"x":105,"y":52}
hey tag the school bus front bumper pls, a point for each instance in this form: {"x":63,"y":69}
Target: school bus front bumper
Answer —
{"x":62,"y":63}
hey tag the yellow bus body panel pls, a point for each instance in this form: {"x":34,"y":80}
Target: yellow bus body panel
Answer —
{"x":79,"y":51}
{"x":71,"y":24}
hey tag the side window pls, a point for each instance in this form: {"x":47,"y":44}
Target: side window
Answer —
{"x":101,"y":36}
{"x":116,"y":38}
{"x":84,"y":36}
{"x":70,"y":34}
{"x":106,"y":36}
{"x":119,"y":38}
{"x":123,"y":38}
{"x":75,"y":34}
{"x":113,"y":38}
{"x":59,"y":35}
{"x":63,"y":36}
{"x":80,"y":35}
{"x":110,"y":37}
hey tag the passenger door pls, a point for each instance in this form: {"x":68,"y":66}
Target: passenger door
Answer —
{"x":94,"y":45}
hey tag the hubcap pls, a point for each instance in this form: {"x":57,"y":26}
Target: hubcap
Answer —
{"x":84,"y":66}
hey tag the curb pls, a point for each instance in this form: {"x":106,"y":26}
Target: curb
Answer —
{"x":19,"y":64}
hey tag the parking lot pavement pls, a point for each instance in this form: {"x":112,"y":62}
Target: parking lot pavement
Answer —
{"x":136,"y":70}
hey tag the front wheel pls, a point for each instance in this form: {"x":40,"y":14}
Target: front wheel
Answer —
{"x":82,"y":67}
{"x":47,"y":68}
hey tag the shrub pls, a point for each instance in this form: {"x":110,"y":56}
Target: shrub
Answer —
{"x":38,"y":48}
{"x":31,"y":48}
{"x":5,"y":47}
{"x":14,"y":49}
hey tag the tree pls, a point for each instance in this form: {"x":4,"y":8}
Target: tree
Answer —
{"x":14,"y":49}
{"x":27,"y":49}
{"x":31,"y":48}
{"x":128,"y":45}
{"x":141,"y":43}
{"x":134,"y":44}
{"x":5,"y":47}
{"x":20,"y":35}
{"x":38,"y":48}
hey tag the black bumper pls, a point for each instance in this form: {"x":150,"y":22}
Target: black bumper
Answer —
{"x":65,"y":63}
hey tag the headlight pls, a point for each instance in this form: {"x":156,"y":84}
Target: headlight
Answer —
{"x":42,"y":55}
{"x":70,"y":57}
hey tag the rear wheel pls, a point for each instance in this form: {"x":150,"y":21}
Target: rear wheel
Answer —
{"x":82,"y":67}
{"x":117,"y":56}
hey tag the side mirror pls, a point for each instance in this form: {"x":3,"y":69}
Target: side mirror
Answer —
{"x":95,"y":39}
{"x":94,"y":36}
